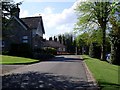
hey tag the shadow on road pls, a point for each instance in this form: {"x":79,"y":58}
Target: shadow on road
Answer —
{"x":42,"y":81}
{"x":66,"y":59}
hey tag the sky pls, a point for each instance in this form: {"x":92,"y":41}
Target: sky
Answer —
{"x":58,"y":15}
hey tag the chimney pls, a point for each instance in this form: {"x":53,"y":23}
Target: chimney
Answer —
{"x":15,"y":11}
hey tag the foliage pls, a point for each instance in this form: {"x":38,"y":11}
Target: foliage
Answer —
{"x":55,"y":39}
{"x":94,"y":15}
{"x":42,"y":56}
{"x":60,"y":38}
{"x":115,"y":35}
{"x":83,"y":39}
{"x":69,"y":42}
{"x":51,"y":51}
{"x":21,"y":50}
{"x":45,"y":53}
{"x":67,"y":39}
{"x":7,"y":6}
{"x":16,"y":60}
{"x":50,"y":38}
{"x":94,"y":50}
{"x":105,"y":74}
{"x":87,"y":38}
{"x":115,"y":43}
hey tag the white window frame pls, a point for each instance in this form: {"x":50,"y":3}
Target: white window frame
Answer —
{"x":25,"y":41}
{"x":25,"y":37}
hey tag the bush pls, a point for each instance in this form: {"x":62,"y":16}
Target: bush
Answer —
{"x":22,"y":50}
{"x":115,"y":53}
{"x":52,"y":51}
{"x":45,"y":53}
{"x":5,"y":52}
{"x":95,"y":51}
{"x":42,"y":56}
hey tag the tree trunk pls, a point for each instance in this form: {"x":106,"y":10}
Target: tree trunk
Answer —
{"x":103,"y":51}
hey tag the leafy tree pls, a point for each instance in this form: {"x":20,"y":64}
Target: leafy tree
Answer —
{"x":91,"y":40}
{"x":60,"y":38}
{"x":82,"y":41}
{"x":115,"y":35}
{"x":94,"y":15}
{"x":50,"y":38}
{"x":55,"y":39}
{"x":67,"y":40}
{"x":63,"y":40}
{"x":7,"y":7}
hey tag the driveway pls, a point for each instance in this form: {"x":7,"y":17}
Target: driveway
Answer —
{"x":65,"y":72}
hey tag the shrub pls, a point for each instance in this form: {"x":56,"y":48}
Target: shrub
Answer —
{"x":5,"y":52}
{"x":115,"y":53}
{"x":22,"y":50}
{"x":45,"y":53}
{"x":50,"y":50}
{"x":95,"y":51}
{"x":42,"y":56}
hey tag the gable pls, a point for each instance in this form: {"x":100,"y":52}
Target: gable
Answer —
{"x":33,"y":22}
{"x":21,"y":22}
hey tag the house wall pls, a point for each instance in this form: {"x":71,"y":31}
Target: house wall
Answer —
{"x":15,"y":34}
{"x":36,"y":42}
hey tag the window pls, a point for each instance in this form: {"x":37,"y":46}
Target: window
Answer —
{"x":25,"y":41}
{"x":25,"y":37}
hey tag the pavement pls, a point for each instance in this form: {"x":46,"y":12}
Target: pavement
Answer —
{"x":64,"y":72}
{"x":8,"y":68}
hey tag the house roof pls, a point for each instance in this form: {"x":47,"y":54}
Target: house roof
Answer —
{"x":19,"y":21}
{"x":32,"y":22}
{"x":53,"y":44}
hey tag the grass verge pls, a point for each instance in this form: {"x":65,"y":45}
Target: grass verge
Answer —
{"x":105,"y":74}
{"x":16,"y":60}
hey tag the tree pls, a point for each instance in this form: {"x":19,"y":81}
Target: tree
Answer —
{"x":67,"y":40}
{"x":7,"y":7}
{"x":115,"y":35}
{"x":50,"y":38}
{"x":55,"y":39}
{"x":60,"y":38}
{"x":94,"y":15}
{"x":83,"y":42}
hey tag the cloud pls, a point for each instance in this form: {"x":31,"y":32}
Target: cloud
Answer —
{"x":50,"y":0}
{"x":48,"y":10}
{"x":24,"y":13}
{"x":56,"y":23}
{"x":59,"y":23}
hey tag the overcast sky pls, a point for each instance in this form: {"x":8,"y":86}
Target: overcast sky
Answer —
{"x":58,"y":15}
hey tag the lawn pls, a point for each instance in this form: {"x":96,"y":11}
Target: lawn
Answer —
{"x":105,"y":74}
{"x":16,"y":60}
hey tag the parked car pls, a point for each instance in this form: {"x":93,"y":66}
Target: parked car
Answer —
{"x":108,"y":57}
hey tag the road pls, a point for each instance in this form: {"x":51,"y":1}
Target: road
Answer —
{"x":65,"y":72}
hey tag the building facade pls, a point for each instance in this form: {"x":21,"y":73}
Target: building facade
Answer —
{"x":28,"y":30}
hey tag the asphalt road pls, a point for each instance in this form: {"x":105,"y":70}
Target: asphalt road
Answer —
{"x":69,"y":65}
{"x":8,"y":68}
{"x":63,"y":72}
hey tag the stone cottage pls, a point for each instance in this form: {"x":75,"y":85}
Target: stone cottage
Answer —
{"x":27,"y":30}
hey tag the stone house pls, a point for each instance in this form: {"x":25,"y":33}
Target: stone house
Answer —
{"x":28,"y":30}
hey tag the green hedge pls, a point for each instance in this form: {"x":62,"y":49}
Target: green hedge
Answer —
{"x":45,"y":53}
{"x":21,"y":50}
{"x":95,"y":51}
